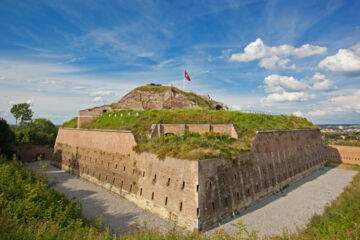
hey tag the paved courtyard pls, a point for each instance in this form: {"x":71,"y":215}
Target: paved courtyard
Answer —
{"x":288,"y":210}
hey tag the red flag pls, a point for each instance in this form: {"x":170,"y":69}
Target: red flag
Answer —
{"x":187,"y":76}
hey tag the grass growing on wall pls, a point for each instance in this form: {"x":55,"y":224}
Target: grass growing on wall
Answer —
{"x":200,"y":146}
{"x":194,"y":146}
{"x":71,"y":123}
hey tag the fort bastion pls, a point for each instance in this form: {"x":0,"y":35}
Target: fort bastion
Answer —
{"x":196,"y":194}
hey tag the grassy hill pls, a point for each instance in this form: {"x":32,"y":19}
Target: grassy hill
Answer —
{"x":192,"y":145}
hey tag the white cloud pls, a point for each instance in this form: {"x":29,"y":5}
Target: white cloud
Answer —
{"x":275,"y":57}
{"x":286,"y":97}
{"x":275,"y":62}
{"x":317,"y":113}
{"x":339,"y":105}
{"x":2,"y":78}
{"x":102,"y":93}
{"x":345,"y":61}
{"x":298,"y":114}
{"x":276,"y":83}
{"x":321,"y":83}
{"x":30,"y":101}
{"x":348,"y":102}
{"x":98,"y":99}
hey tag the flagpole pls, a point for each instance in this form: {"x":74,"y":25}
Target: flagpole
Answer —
{"x":184,"y":82}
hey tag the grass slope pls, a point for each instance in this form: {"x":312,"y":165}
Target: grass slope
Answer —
{"x":194,"y":146}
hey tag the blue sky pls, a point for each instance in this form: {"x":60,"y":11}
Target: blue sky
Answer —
{"x":292,"y":57}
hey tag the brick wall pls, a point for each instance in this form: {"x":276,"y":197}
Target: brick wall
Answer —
{"x":87,"y":115}
{"x":30,"y":152}
{"x":345,"y":154}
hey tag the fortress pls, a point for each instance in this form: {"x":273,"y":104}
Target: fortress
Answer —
{"x":197,"y":194}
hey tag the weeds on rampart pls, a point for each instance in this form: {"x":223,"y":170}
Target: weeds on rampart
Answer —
{"x":247,"y":124}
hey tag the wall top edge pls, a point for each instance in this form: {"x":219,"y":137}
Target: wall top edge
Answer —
{"x":97,"y":130}
{"x":344,"y":146}
{"x":292,"y":130}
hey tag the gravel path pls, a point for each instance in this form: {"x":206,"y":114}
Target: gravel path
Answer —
{"x":288,"y":210}
{"x":116,"y":212}
{"x":296,"y":205}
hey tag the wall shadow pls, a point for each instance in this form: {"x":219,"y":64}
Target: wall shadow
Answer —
{"x":119,"y":214}
{"x":275,"y":196}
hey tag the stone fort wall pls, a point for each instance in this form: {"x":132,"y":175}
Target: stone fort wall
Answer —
{"x":195,"y":194}
{"x":345,"y":154}
{"x":165,"y":187}
{"x":277,"y":158}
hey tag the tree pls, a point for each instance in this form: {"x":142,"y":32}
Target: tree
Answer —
{"x":7,"y":138}
{"x":39,"y":132}
{"x":22,"y":111}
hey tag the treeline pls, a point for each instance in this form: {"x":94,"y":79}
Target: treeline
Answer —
{"x":38,"y":131}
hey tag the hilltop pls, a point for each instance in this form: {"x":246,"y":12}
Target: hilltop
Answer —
{"x":156,"y":96}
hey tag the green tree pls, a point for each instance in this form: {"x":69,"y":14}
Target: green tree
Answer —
{"x":40,"y":132}
{"x":7,"y":138}
{"x":22,"y":111}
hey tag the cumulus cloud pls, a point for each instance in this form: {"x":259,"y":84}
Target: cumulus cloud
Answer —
{"x":285,"y":89}
{"x":298,"y":114}
{"x":275,"y":57}
{"x":275,"y":62}
{"x":287,"y":97}
{"x":276,"y":83}
{"x":339,"y":105}
{"x":345,"y":61}
{"x":321,"y":83}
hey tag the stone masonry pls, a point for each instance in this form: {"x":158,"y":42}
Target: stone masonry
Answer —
{"x":345,"y":154}
{"x":158,"y":130}
{"x":195,"y":194}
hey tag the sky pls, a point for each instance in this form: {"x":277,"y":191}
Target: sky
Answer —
{"x":279,"y":57}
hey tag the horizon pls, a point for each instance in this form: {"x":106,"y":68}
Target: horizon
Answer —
{"x":280,"y":57}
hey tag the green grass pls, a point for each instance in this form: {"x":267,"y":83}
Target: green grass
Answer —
{"x":71,"y":123}
{"x":32,"y":209}
{"x":187,"y":147}
{"x":194,"y":146}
